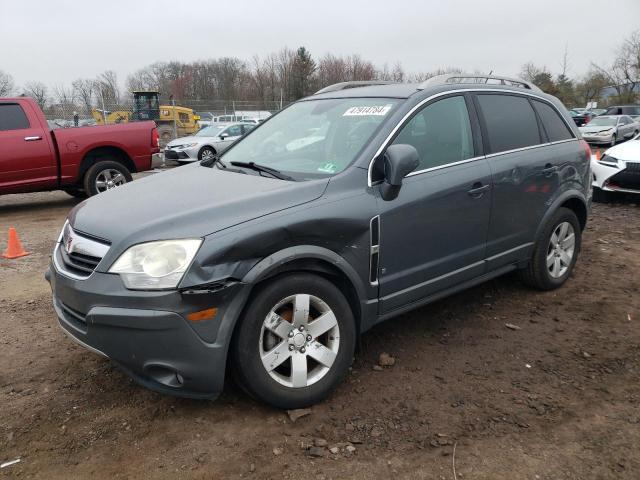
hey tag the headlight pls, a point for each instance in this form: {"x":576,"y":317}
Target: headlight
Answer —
{"x":605,"y":133}
{"x":156,"y":265}
{"x":189,"y":145}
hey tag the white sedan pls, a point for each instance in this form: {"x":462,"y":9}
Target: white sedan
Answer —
{"x":618,"y":170}
{"x":208,"y":142}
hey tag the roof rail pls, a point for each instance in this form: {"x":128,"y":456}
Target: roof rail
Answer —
{"x":468,"y":78}
{"x":353,"y":84}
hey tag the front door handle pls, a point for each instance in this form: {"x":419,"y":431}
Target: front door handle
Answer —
{"x":32,"y":139}
{"x":477,"y":189}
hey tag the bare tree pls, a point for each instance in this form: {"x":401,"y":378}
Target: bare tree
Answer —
{"x":38,"y":91}
{"x":6,"y":84}
{"x":83,"y":90}
{"x":624,"y":74}
{"x":590,"y":87}
{"x":107,"y":87}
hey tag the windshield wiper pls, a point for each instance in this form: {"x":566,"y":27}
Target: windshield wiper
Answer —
{"x":262,"y":168}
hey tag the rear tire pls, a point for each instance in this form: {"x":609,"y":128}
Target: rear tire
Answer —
{"x":105,"y":175}
{"x":274,"y":360}
{"x":552,"y":261}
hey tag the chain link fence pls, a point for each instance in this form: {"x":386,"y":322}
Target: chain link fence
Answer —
{"x":75,"y":114}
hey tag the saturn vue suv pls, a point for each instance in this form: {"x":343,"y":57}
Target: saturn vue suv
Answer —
{"x":347,"y":208}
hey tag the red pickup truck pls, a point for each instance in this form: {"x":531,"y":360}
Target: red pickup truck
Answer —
{"x":81,"y":161}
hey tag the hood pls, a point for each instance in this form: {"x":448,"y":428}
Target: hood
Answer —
{"x":594,"y":129}
{"x":186,"y":202}
{"x":628,"y":151}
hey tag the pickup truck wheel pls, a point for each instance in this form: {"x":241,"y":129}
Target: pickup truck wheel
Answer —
{"x":76,"y":192}
{"x":295,"y":341}
{"x":104,"y":176}
{"x":555,"y":252}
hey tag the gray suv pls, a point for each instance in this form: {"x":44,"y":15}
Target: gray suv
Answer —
{"x":345,"y":209}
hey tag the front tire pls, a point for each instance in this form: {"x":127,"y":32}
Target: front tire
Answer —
{"x":206,"y":153}
{"x":75,"y":192}
{"x":613,"y":141}
{"x":295,"y":341}
{"x":555,"y":252}
{"x":105,"y":175}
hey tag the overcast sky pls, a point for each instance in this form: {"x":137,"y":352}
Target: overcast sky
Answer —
{"x":56,"y":41}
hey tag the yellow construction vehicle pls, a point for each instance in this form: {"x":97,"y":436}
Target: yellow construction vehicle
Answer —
{"x":172,"y":121}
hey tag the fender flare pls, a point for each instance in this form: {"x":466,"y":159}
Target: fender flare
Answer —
{"x":562,"y":198}
{"x":274,"y":261}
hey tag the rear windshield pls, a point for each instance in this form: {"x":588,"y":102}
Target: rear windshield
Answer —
{"x":314,"y":138}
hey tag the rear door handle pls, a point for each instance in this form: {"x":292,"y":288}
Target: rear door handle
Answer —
{"x":549,"y":169}
{"x":32,"y":139}
{"x":477,"y":189}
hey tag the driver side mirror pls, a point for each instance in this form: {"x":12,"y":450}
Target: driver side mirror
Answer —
{"x":222,"y":136}
{"x":399,"y":161}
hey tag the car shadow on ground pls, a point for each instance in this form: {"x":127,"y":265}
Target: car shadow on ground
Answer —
{"x":430,"y":324}
{"x":7,"y":207}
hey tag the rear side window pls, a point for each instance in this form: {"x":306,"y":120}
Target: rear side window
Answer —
{"x":511,"y":122}
{"x":12,"y":117}
{"x":441,"y":133}
{"x":553,"y":124}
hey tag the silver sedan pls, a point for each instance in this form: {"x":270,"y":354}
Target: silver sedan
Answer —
{"x":610,"y":129}
{"x":209,"y":141}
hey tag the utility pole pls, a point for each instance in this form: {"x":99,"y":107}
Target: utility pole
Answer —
{"x":104,"y":112}
{"x":175,"y":126}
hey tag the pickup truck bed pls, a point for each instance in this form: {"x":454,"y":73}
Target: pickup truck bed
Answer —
{"x":82,"y":161}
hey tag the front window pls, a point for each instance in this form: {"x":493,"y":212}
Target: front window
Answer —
{"x":314,"y":138}
{"x":212,"y":131}
{"x":603,"y":122}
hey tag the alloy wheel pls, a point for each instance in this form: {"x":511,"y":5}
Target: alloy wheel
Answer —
{"x":207,"y":154}
{"x":108,"y":179}
{"x":299,"y":340}
{"x":561,"y":249}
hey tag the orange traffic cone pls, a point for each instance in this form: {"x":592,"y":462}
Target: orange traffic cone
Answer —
{"x":598,"y":154}
{"x":14,"y":248}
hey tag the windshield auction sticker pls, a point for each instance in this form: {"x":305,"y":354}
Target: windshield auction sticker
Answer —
{"x":365,"y":111}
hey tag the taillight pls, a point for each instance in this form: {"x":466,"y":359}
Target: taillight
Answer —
{"x":586,"y":148}
{"x":586,"y":119}
{"x":155,"y":138}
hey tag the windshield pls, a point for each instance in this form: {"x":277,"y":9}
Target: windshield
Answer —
{"x":314,"y":138}
{"x":211,"y":131}
{"x":603,"y":122}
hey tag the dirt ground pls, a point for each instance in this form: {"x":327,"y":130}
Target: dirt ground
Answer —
{"x":557,"y":398}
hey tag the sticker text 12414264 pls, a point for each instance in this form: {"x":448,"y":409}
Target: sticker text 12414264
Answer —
{"x":371,"y":110}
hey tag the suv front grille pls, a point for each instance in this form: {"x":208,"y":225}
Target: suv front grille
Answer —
{"x":76,"y":255}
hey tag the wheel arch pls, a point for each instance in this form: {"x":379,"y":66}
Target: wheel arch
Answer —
{"x":207,"y":145}
{"x":317,"y":260}
{"x":574,"y":201}
{"x":94,"y":155}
